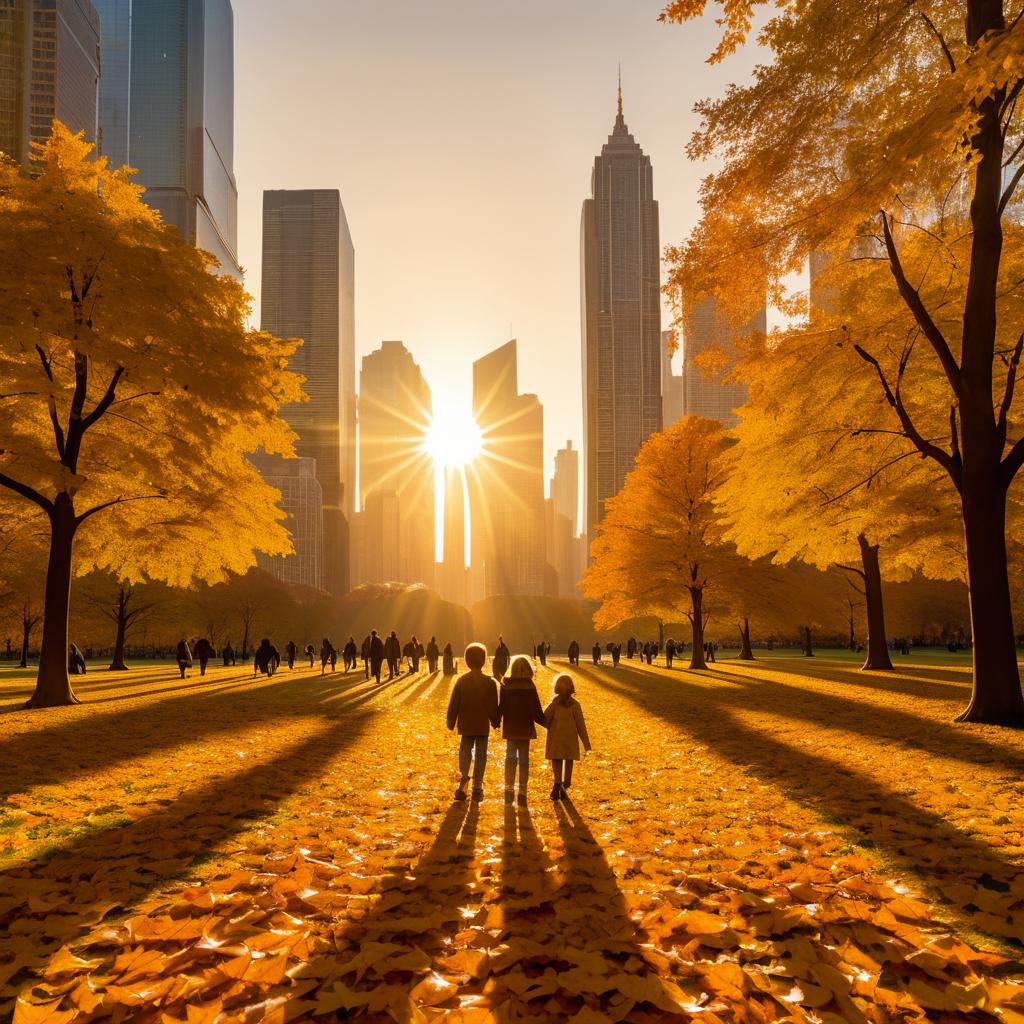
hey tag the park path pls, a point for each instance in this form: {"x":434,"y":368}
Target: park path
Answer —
{"x":781,"y":841}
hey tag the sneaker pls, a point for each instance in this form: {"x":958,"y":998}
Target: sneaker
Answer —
{"x":509,"y":796}
{"x":521,"y":800}
{"x":478,"y":792}
{"x":460,"y":794}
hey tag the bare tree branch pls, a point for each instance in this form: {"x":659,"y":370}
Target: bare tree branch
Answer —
{"x":1008,"y":390}
{"x":942,"y":42}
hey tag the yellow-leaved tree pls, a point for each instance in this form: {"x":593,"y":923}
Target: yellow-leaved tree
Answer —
{"x":819,"y":474}
{"x":866,"y":126}
{"x":660,"y":549}
{"x":131,"y":390}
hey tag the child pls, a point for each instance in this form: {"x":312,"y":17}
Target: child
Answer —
{"x":473,"y":708}
{"x":519,"y":712}
{"x":566,"y":727}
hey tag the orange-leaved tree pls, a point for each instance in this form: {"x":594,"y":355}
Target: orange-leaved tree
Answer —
{"x":868,"y":124}
{"x":660,"y":549}
{"x":131,"y":390}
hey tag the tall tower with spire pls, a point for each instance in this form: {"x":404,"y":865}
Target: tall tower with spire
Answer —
{"x":621,"y":316}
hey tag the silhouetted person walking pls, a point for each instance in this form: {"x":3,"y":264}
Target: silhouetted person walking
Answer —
{"x":574,"y":653}
{"x":393,"y":654}
{"x":519,"y":714}
{"x":473,"y":710}
{"x":499,"y":663}
{"x":228,"y":654}
{"x":376,"y":655}
{"x":311,"y":654}
{"x":203,"y":650}
{"x":184,"y":656}
{"x":266,"y":659}
{"x":326,"y":649}
{"x":291,"y":650}
{"x":449,"y":660}
{"x":432,"y":655}
{"x":350,"y":654}
{"x":76,"y":661}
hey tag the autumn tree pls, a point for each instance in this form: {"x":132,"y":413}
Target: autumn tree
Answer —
{"x":660,"y":548}
{"x":124,"y":604}
{"x":131,"y":389}
{"x":909,"y":109}
{"x":818,"y":474}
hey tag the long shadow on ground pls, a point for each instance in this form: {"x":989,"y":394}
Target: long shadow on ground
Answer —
{"x":98,"y":876}
{"x":955,"y":865}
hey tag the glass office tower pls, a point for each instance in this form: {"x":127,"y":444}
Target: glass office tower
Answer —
{"x":177,"y":113}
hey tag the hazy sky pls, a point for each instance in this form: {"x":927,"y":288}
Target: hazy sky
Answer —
{"x":461,"y":134}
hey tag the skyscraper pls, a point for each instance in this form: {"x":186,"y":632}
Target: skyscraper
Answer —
{"x":673,"y":399}
{"x":167,"y":108}
{"x":49,"y":68}
{"x":507,"y":494}
{"x":562,"y":519}
{"x":115,"y":80}
{"x":621,"y":317}
{"x":302,"y":501}
{"x":709,"y":391}
{"x":394,"y":413}
{"x":308,"y":293}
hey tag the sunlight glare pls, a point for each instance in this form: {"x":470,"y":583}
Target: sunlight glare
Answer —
{"x":453,"y":438}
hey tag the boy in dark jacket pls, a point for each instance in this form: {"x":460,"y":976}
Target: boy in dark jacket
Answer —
{"x":519,"y":714}
{"x":473,"y":709}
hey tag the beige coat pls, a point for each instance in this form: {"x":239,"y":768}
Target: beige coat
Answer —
{"x":566,"y":728}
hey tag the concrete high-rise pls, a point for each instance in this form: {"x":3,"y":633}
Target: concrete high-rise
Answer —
{"x":302,"y":501}
{"x":673,"y":399}
{"x":710,"y":393}
{"x":394,"y":414}
{"x":621,"y":317}
{"x":309,"y":293}
{"x":167,"y":108}
{"x":507,"y":493}
{"x":49,"y":68}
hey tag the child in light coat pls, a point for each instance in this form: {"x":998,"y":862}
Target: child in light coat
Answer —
{"x":566,"y":728}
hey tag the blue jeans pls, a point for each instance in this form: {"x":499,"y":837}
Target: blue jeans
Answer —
{"x":517,"y":752}
{"x":473,"y":749}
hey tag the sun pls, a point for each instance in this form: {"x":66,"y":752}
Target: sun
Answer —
{"x":453,"y":438}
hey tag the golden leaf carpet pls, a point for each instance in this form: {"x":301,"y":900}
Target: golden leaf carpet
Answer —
{"x":780,"y":841}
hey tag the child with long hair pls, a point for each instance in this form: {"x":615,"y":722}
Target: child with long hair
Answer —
{"x":566,"y":729}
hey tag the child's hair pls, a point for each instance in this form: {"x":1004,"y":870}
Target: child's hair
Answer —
{"x":521,"y":668}
{"x":476,"y":655}
{"x":564,"y":686}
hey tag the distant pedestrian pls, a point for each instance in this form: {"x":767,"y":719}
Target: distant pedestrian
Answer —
{"x":670,"y":652}
{"x":499,"y":663}
{"x":409,"y":652}
{"x":228,"y":654}
{"x":574,"y":653}
{"x":616,"y":654}
{"x":449,"y":660}
{"x":310,"y":653}
{"x":364,"y":653}
{"x":350,"y":654}
{"x":566,"y":728}
{"x":376,"y":659}
{"x":631,"y":648}
{"x":519,"y":714}
{"x":473,"y":710}
{"x":541,"y":652}
{"x":326,"y":650}
{"x":433,"y":654}
{"x":76,"y":661}
{"x":203,"y":650}
{"x":649,"y":651}
{"x":266,"y":659}
{"x":291,"y":650}
{"x":595,"y":653}
{"x":184,"y":656}
{"x":393,"y":654}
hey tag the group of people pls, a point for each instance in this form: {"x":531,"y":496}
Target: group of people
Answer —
{"x":480,"y":702}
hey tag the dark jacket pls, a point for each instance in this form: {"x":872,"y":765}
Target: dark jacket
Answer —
{"x":519,"y":710}
{"x":265,"y":656}
{"x":376,"y":650}
{"x":392,"y":648}
{"x":500,"y":660}
{"x":473,"y":706}
{"x":204,"y":649}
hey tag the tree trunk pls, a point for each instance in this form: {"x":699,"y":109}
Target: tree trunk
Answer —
{"x":808,"y":649}
{"x":878,"y":649}
{"x":117,"y":664}
{"x":53,"y":686}
{"x":697,"y":604}
{"x":746,"y":653}
{"x":853,"y":638}
{"x":996,"y":698}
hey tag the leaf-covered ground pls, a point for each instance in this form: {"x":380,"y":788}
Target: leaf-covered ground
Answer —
{"x":788,"y":840}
